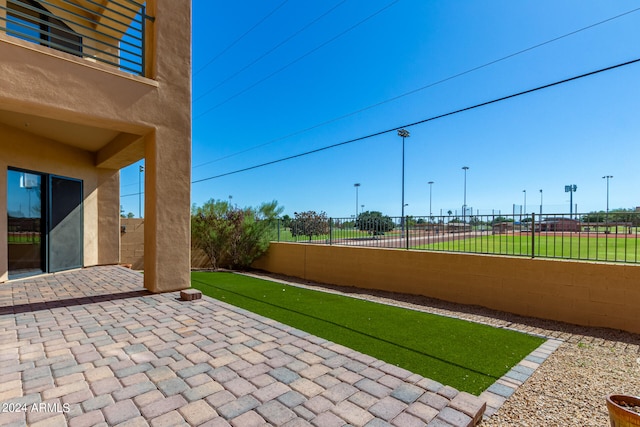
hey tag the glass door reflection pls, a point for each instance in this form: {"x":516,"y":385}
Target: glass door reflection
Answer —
{"x":25,"y":223}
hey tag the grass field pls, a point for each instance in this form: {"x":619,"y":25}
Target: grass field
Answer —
{"x":592,"y":246}
{"x":23,"y":239}
{"x":464,"y":355}
{"x":551,"y":246}
{"x":286,"y":236}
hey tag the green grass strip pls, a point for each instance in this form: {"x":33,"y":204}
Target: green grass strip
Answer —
{"x":587,"y":248}
{"x":464,"y":355}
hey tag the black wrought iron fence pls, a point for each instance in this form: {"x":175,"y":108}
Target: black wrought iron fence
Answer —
{"x":111,"y":32}
{"x":612,"y":237}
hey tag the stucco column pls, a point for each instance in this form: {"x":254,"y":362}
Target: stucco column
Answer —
{"x":167,"y":239}
{"x":167,"y":199}
{"x":108,"y":216}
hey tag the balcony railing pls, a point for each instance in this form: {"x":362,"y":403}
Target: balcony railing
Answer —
{"x":113,"y":34}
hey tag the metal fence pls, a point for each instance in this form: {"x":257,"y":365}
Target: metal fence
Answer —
{"x":113,"y":34}
{"x":609,"y":237}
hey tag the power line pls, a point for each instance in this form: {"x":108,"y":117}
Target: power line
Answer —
{"x":131,"y":194}
{"x":279,"y":70}
{"x":411,"y":92}
{"x":240,"y":38}
{"x":270,"y":50}
{"x":451,"y":113}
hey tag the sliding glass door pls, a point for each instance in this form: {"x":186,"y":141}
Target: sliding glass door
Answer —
{"x":45,"y":223}
{"x":64,"y":224}
{"x":25,"y":223}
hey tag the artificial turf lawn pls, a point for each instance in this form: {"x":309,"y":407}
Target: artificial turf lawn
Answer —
{"x":464,"y":355}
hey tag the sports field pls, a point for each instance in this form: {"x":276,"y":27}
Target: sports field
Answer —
{"x":561,"y":245}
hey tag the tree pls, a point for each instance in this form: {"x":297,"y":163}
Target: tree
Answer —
{"x":500,"y":219}
{"x":122,"y":214}
{"x":309,"y":224}
{"x":374,"y":222}
{"x":475,"y":220}
{"x":211,"y":230}
{"x":347,"y":224}
{"x":594,"y":217}
{"x":614,"y":215}
{"x":230,"y":236}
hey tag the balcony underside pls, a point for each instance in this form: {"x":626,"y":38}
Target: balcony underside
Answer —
{"x":112,"y":149}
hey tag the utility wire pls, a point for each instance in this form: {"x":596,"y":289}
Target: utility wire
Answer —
{"x":279,"y":70}
{"x":446,"y":79}
{"x":451,"y":113}
{"x":270,"y":50}
{"x":240,"y":38}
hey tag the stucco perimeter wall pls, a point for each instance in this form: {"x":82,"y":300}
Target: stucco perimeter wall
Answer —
{"x":591,"y":294}
{"x":132,"y":242}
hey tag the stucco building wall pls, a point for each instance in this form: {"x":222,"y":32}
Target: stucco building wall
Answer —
{"x":69,"y":115}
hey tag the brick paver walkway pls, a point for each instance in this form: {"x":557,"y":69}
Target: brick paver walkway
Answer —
{"x":92,"y":348}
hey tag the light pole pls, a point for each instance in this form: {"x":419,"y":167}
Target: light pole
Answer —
{"x":607,"y":177}
{"x":524,"y":209}
{"x":572,"y":188}
{"x":541,"y":204}
{"x":464,"y":206}
{"x":357,"y":185}
{"x":403,"y":133}
{"x":361,"y":208}
{"x":430,"y":194}
{"x":140,"y":171}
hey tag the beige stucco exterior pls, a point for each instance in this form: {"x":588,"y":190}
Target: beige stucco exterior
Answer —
{"x":132,"y":242}
{"x":72,"y":116}
{"x":583,"y":293}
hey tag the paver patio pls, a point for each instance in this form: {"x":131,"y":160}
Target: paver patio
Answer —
{"x":92,"y":347}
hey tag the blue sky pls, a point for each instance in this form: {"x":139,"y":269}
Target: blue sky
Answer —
{"x":293,"y":76}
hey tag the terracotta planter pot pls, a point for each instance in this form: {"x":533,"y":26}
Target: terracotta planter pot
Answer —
{"x":621,"y":416}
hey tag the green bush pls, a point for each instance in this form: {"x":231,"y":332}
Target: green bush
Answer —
{"x":232,"y":237}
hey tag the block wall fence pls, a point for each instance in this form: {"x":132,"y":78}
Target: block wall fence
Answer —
{"x":583,"y":293}
{"x":132,"y":242}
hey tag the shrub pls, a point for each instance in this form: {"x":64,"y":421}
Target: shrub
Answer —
{"x":230,"y":236}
